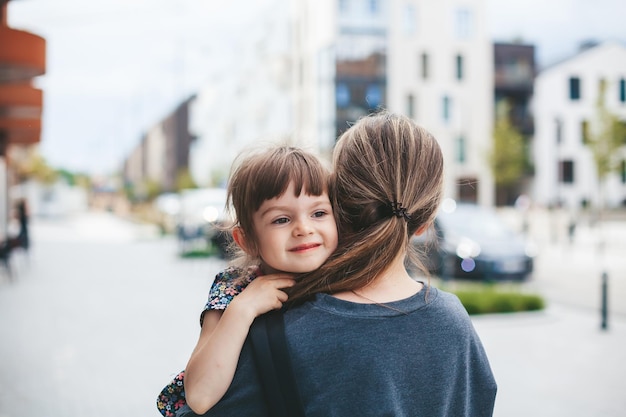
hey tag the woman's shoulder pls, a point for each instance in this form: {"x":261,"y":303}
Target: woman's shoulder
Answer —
{"x":448,"y":301}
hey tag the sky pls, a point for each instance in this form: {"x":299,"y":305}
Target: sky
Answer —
{"x":117,"y":67}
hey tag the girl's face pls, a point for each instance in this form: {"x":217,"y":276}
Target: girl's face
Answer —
{"x":296,"y":234}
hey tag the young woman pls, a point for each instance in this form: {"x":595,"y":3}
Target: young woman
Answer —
{"x":365,"y":338}
{"x":283,"y":224}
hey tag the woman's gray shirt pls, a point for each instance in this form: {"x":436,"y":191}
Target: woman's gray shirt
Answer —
{"x":415,"y":357}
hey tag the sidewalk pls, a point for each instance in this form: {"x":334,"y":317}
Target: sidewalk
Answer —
{"x":103,"y":313}
{"x":97,"y":319}
{"x":556,"y":363}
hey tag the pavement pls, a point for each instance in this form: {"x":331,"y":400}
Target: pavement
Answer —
{"x":101,"y":313}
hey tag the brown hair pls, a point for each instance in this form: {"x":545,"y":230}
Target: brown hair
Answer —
{"x":382,"y":160}
{"x":257,"y":176}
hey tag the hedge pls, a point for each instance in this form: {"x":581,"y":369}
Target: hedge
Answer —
{"x":488,"y":299}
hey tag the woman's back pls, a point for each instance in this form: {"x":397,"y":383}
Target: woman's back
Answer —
{"x":414,"y":357}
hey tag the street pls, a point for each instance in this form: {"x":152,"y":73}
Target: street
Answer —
{"x":102,"y":313}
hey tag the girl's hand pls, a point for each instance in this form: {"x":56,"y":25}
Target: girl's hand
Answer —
{"x":262,"y":295}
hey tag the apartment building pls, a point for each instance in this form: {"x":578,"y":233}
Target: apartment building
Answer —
{"x":565,"y":108}
{"x":247,"y":98}
{"x":432,"y":61}
{"x":161,"y":155}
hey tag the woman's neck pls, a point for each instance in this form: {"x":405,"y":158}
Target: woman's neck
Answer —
{"x":393,"y":284}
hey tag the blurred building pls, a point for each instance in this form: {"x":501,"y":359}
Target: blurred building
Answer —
{"x":305,"y":69}
{"x":565,"y":108}
{"x":248,"y":96}
{"x":428,"y":60}
{"x":161,"y":157}
{"x":22,"y":57}
{"x":514,"y":78}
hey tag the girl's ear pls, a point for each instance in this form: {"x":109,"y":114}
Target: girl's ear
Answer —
{"x":240,"y":238}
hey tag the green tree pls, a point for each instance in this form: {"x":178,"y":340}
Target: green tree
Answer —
{"x":508,"y":158}
{"x":184,"y":180}
{"x":75,"y":178}
{"x":605,"y":136}
{"x":34,"y":166}
{"x":152,"y":189}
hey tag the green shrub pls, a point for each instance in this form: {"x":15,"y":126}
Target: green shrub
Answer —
{"x":486,"y":299}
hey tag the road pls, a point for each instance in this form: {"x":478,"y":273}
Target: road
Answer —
{"x":102,"y":312}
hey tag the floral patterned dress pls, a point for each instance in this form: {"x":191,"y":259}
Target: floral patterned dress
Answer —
{"x":227,"y":284}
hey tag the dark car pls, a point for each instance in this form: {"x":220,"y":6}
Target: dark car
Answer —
{"x":468,"y":241}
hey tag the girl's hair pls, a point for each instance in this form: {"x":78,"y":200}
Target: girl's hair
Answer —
{"x":257,"y":176}
{"x":387,"y":183}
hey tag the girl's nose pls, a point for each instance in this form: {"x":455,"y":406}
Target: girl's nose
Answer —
{"x":302,"y":227}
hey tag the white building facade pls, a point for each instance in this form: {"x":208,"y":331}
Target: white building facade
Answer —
{"x":440,"y":73}
{"x":438,"y":69}
{"x":565,"y":109}
{"x":247,"y":98}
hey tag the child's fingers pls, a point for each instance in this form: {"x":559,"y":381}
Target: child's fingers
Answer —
{"x":285,"y":282}
{"x":282,"y":297}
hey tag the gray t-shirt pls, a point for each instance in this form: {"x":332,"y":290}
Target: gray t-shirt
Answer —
{"x":415,"y":357}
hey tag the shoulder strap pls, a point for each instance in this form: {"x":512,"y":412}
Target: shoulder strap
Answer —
{"x":269,"y":345}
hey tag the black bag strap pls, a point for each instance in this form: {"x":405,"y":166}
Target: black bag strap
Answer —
{"x":273,"y":362}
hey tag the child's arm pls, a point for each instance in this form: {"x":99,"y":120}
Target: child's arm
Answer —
{"x":212,"y":365}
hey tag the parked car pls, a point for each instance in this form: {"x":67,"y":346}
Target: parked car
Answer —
{"x":468,"y":241}
{"x":201,"y":217}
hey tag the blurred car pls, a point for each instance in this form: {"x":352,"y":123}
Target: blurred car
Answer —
{"x":201,"y":217}
{"x":167,"y":206}
{"x":468,"y":241}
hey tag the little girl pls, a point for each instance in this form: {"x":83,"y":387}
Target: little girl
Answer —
{"x":283,"y":225}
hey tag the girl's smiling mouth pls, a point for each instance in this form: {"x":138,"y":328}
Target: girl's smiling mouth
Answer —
{"x":305,"y":247}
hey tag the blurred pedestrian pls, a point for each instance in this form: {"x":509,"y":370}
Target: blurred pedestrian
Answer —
{"x":364,"y":337}
{"x":19,"y":238}
{"x":283,"y":224}
{"x":22,"y":218}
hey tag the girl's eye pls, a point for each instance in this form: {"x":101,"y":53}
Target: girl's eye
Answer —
{"x":320,"y":213}
{"x":281,"y":220}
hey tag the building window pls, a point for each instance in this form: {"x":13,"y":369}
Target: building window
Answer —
{"x":622,"y":90}
{"x":446,"y":108}
{"x":410,"y":106}
{"x":410,"y":20}
{"x":461,"y":149}
{"x":574,"y":88}
{"x":459,"y":67}
{"x":343,"y":6}
{"x":463,"y":23}
{"x":558,"y":130}
{"x":342,"y":95}
{"x":584,"y":132}
{"x":468,"y":189}
{"x":566,"y":172}
{"x":424,"y":65}
{"x":374,"y":6}
{"x":373,"y":96}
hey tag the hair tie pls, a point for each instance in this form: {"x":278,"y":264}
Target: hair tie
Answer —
{"x":399,"y":211}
